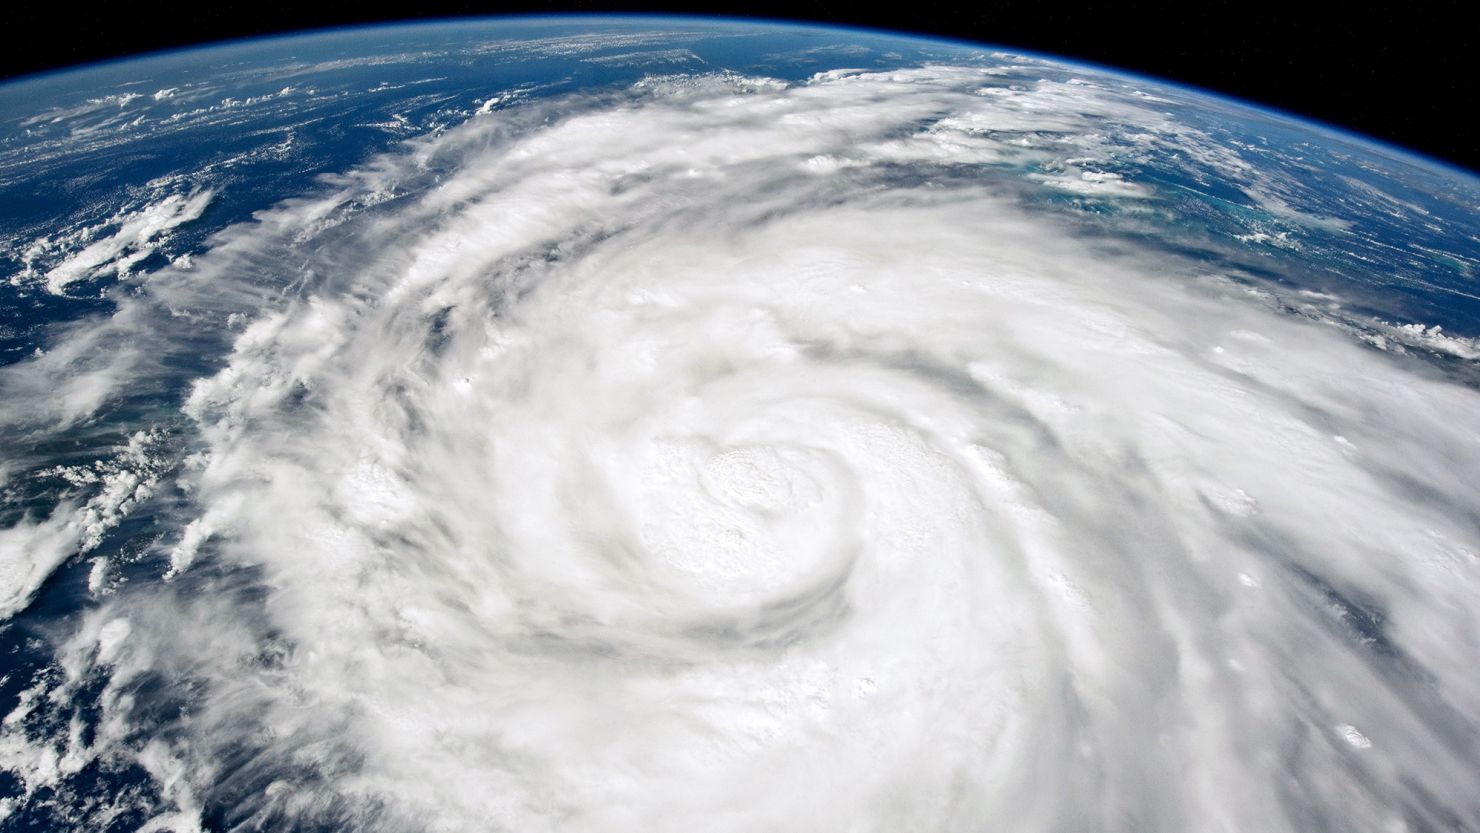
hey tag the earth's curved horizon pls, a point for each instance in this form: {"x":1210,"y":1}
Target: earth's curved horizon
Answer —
{"x":654,"y":422}
{"x":578,"y":18}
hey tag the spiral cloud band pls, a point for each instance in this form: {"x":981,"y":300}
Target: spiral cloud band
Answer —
{"x":726,"y":454}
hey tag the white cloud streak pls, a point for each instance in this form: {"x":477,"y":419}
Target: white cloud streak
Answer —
{"x":115,"y":246}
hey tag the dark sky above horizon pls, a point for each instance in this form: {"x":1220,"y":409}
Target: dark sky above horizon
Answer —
{"x":1403,"y":73}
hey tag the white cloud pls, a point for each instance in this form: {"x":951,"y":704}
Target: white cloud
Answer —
{"x":134,"y":236}
{"x":29,"y":551}
{"x":102,"y":495}
{"x":621,"y":475}
{"x":1432,"y":338}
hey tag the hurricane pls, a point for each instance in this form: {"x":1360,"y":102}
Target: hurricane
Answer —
{"x":724,"y":452}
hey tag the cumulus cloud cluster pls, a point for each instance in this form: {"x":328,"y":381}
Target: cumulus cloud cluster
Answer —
{"x":134,"y":237}
{"x":730,"y":455}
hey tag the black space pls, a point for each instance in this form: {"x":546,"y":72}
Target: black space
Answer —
{"x":1403,"y":72}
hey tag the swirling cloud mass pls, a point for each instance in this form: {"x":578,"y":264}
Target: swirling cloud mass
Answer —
{"x":727,"y":454}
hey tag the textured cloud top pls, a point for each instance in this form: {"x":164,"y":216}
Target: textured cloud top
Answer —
{"x":727,"y":454}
